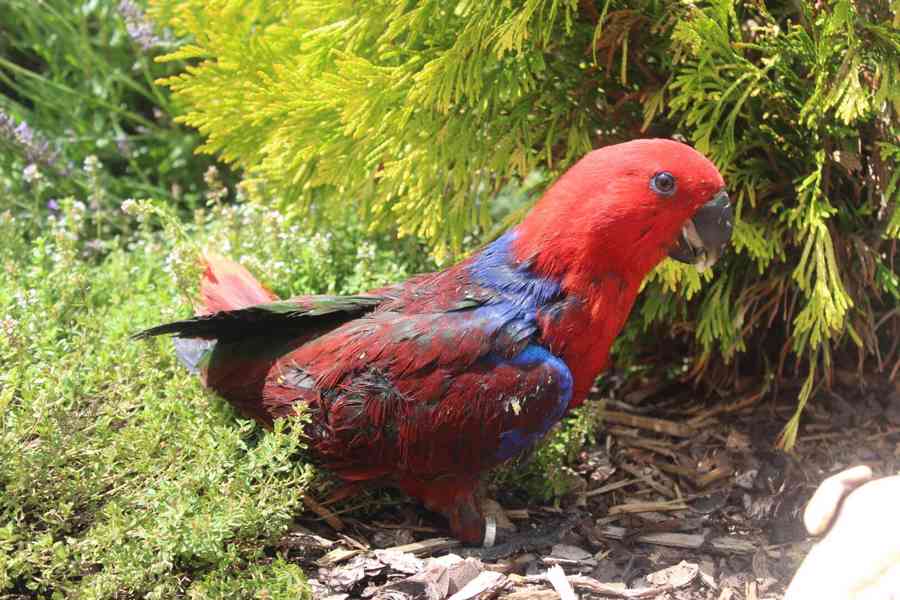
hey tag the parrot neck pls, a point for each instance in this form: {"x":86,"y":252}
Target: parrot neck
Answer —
{"x":578,"y":260}
{"x":582,"y":330}
{"x":514,"y":281}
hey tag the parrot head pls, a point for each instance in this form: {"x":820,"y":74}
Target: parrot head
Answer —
{"x":623,"y":208}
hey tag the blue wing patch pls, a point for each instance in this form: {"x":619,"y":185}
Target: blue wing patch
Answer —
{"x":519,"y":294}
{"x":517,"y":440}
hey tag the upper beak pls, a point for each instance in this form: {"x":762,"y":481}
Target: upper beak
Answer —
{"x":704,"y":236}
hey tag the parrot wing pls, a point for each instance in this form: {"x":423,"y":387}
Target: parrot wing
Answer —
{"x":424,"y":395}
{"x":233,"y":349}
{"x":287,"y":317}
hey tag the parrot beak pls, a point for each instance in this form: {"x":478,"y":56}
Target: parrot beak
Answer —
{"x":704,"y":236}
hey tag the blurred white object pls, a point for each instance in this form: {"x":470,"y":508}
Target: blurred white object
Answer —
{"x":859,"y":556}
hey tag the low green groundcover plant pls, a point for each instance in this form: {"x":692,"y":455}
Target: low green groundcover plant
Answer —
{"x":120,"y":474}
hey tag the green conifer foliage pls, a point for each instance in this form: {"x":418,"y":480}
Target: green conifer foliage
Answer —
{"x":420,"y":111}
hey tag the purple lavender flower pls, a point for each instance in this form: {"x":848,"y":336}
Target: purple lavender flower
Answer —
{"x":139,"y":27}
{"x":53,"y":205}
{"x":36,"y":149}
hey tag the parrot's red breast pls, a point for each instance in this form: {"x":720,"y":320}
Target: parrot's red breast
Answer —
{"x":428,"y":383}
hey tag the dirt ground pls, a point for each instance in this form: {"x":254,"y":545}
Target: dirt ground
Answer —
{"x":681,"y":497}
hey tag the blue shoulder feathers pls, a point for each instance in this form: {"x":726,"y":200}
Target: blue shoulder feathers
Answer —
{"x":518,"y":295}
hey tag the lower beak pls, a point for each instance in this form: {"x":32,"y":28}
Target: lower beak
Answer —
{"x":704,"y":236}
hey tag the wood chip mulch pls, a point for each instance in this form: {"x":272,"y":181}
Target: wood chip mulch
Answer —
{"x":680,"y":498}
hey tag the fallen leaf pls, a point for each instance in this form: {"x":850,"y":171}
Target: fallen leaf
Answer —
{"x":462,"y":572}
{"x":557,"y":578}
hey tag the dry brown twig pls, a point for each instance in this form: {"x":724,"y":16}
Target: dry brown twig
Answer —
{"x":649,"y":423}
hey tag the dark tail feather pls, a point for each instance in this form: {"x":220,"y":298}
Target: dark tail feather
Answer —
{"x":237,"y":311}
{"x":225,"y":286}
{"x":289,"y":318}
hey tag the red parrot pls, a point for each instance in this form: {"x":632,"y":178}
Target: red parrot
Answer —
{"x":428,"y":383}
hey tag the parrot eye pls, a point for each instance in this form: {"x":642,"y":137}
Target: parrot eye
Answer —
{"x":663,"y":183}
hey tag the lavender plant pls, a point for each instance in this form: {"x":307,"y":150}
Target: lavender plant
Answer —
{"x":35,"y":148}
{"x":140,"y":28}
{"x":55,"y":111}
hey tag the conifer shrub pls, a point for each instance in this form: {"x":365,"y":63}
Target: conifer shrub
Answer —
{"x":420,"y":112}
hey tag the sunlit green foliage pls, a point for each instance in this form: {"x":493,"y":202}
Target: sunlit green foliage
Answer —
{"x":421,"y":111}
{"x":119,"y":474}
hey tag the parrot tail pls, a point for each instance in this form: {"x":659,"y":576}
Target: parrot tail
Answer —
{"x":237,"y":318}
{"x":241,"y":329}
{"x":226,"y":285}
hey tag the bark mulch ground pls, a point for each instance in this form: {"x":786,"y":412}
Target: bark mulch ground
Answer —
{"x":680,"y":498}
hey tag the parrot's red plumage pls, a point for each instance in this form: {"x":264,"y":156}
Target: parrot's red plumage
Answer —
{"x":428,"y":383}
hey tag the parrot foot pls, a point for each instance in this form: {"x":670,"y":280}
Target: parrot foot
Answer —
{"x":479,"y":522}
{"x":473,"y":520}
{"x":523,"y":542}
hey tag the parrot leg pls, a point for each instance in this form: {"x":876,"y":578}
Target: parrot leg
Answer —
{"x":457,"y":500}
{"x":468,"y":523}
